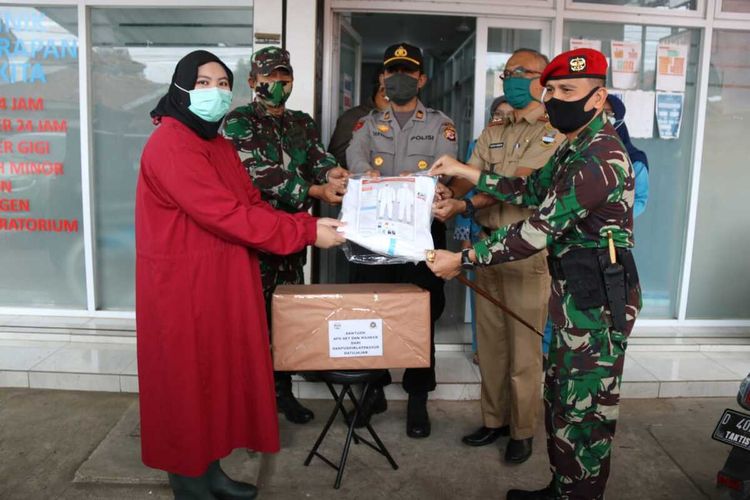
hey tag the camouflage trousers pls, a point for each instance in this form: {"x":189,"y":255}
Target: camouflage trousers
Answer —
{"x":281,"y":270}
{"x":583,"y":373}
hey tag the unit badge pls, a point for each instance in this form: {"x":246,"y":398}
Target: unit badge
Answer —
{"x":577,"y":64}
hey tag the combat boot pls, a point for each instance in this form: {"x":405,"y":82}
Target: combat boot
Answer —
{"x":547,"y":493}
{"x":417,"y":418}
{"x":372,"y":403}
{"x":287,"y":404}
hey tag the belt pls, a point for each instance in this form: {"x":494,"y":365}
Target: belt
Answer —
{"x":624,"y":257}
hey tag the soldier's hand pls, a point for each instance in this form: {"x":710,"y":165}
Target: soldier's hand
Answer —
{"x":445,"y":264}
{"x":337,"y":174}
{"x":329,"y":193}
{"x":443,"y":192}
{"x":444,"y":210}
{"x":450,"y":167}
{"x":327,"y":236}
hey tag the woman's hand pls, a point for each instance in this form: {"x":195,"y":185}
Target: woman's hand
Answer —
{"x":450,"y":167}
{"x":327,"y":236}
{"x":444,"y":264}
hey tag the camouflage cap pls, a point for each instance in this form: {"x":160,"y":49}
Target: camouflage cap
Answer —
{"x":267,"y":59}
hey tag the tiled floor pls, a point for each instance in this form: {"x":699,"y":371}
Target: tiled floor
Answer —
{"x":112,"y":367}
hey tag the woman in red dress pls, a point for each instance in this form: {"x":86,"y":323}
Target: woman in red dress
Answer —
{"x":204,"y":364}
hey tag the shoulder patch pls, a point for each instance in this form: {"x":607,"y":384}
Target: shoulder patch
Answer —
{"x":450,"y":131}
{"x":358,"y":125}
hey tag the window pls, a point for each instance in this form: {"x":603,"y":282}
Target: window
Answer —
{"x":720,"y":276}
{"x":660,"y":231}
{"x":133,"y":58}
{"x":742,"y":6}
{"x":41,"y":225}
{"x":654,"y":4}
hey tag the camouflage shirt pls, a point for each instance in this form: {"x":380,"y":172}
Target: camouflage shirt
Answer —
{"x":586,"y":189}
{"x":283,"y":155}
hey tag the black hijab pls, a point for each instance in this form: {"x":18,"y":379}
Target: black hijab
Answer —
{"x":176,"y":102}
{"x":618,"y":108}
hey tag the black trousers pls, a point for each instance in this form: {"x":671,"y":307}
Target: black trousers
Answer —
{"x":415,"y":379}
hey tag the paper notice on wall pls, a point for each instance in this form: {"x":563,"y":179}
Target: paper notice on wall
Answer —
{"x":626,"y":64}
{"x":671,"y":66}
{"x":669,"y":106}
{"x":355,"y":338}
{"x":582,"y":43}
{"x":639,"y":114}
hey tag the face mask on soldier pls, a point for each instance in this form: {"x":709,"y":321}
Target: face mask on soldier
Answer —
{"x":401,"y":88}
{"x":569,"y":116}
{"x":273,"y":94}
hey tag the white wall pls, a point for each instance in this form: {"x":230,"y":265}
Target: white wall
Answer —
{"x":300,"y":42}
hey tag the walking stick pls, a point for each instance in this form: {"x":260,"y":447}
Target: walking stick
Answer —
{"x":462,"y":279}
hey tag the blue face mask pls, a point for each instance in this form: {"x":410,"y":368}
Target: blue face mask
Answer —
{"x":209,"y":104}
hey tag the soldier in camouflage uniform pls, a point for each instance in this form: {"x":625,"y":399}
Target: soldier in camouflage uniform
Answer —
{"x":282,"y":153}
{"x":583,"y":199}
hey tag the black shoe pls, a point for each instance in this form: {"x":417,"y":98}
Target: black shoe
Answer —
{"x":372,"y":403}
{"x":226,"y":488}
{"x":547,"y":493}
{"x":190,"y":488}
{"x":417,"y":419}
{"x":518,"y":450}
{"x":291,"y":408}
{"x":485,"y":435}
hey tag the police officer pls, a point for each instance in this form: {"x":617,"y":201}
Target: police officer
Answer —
{"x":404,"y":138}
{"x":282,"y":153}
{"x":584,"y":197}
{"x":510,"y":359}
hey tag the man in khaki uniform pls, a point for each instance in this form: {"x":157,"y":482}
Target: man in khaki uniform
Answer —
{"x":510,"y":355}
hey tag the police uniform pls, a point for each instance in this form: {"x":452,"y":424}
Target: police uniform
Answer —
{"x":510,"y":359}
{"x":584,"y":197}
{"x":380,"y":143}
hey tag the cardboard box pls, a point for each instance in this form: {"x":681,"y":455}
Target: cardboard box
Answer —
{"x":350,"y":327}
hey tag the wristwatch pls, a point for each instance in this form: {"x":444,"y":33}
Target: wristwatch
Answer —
{"x":469,"y":212}
{"x":466,"y":262}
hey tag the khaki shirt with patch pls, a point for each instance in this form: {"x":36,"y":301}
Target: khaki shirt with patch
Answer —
{"x":502,"y":149}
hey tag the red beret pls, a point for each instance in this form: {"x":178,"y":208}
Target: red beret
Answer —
{"x":579,"y":63}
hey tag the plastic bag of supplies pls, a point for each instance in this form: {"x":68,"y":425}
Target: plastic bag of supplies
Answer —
{"x":388,"y":219}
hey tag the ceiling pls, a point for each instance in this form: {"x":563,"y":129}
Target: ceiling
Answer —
{"x":438,"y":36}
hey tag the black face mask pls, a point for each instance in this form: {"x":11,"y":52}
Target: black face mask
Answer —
{"x":569,"y":116}
{"x":401,"y":88}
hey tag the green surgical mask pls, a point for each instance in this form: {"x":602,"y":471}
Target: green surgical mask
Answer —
{"x":517,"y":91}
{"x":273,"y":94}
{"x":209,"y":104}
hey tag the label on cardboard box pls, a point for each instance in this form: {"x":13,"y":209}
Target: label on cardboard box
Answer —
{"x":352,"y":338}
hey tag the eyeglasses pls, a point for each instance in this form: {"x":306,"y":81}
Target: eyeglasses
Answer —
{"x":518,"y":73}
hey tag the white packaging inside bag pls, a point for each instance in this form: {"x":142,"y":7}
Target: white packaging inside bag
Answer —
{"x":390,"y":217}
